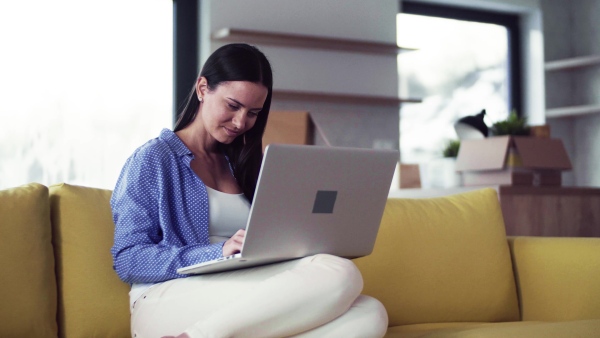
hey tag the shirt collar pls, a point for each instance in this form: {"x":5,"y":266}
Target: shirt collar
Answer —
{"x":179,"y":148}
{"x":174,"y":142}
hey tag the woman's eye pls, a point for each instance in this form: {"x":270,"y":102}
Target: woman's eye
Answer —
{"x":253,"y":113}
{"x":233,"y":107}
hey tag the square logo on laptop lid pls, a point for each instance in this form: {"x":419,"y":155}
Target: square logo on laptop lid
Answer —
{"x":324,"y":202}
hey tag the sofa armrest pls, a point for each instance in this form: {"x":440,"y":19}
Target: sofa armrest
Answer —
{"x":557,"y":278}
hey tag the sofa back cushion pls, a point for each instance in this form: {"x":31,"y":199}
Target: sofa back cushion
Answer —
{"x":558,"y":277}
{"x":92,"y":301}
{"x":27,"y":280}
{"x":442,"y":260}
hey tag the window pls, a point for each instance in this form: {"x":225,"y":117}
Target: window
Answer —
{"x":466,"y":61}
{"x":83,"y":84}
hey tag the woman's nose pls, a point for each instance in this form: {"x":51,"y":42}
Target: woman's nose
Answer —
{"x":239,"y":120}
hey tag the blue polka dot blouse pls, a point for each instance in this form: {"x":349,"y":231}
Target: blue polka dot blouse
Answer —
{"x":160,"y":210}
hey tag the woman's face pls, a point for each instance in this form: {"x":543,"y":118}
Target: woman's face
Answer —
{"x":231,"y":109}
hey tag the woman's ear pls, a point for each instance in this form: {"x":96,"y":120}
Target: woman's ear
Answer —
{"x":201,"y":88}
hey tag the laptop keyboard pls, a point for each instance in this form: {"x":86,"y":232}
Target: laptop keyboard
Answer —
{"x":237,"y":255}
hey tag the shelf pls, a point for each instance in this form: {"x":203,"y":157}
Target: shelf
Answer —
{"x":572,"y":63}
{"x":572,"y":111}
{"x":306,"y":41}
{"x":341,"y":98}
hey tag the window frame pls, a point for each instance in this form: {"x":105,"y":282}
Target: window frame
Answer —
{"x":186,"y":50}
{"x":512,"y":23}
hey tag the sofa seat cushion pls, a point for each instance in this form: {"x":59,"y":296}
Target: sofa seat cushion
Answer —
{"x":92,"y":301}
{"x":28,"y":292}
{"x":569,"y":329}
{"x":442,"y":260}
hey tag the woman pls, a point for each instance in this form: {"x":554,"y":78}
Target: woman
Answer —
{"x":184,"y":198}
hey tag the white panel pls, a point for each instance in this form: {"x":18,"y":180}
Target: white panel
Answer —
{"x":314,"y":70}
{"x":353,"y":19}
{"x":350,"y":125}
{"x":333,"y":72}
{"x":533,"y":74}
{"x":588,"y":147}
{"x":584,"y":27}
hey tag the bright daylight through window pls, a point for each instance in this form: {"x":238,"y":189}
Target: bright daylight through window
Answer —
{"x":459,"y":69}
{"x":83,"y":84}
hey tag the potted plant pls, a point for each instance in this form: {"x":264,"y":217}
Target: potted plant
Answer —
{"x":512,"y":125}
{"x":451,"y":149}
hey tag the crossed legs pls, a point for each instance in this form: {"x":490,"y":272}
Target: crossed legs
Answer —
{"x":316,"y":296}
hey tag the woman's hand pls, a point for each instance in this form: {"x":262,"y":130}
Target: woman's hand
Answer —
{"x":234,"y":244}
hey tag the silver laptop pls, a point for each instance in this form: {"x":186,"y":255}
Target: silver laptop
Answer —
{"x":310,"y":200}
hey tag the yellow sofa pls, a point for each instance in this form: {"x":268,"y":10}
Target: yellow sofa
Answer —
{"x":443,"y":267}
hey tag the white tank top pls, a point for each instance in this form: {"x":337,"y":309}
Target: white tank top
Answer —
{"x":227,"y":213}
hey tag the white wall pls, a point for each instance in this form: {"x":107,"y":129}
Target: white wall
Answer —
{"x":353,"y":19}
{"x":320,"y":70}
{"x":325,"y":71}
{"x":572,"y":29}
{"x":586,"y":38}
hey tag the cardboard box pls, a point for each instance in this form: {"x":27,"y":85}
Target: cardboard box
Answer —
{"x":497,"y":177}
{"x":540,"y":131}
{"x":289,"y":127}
{"x":512,"y":160}
{"x":409,"y":176}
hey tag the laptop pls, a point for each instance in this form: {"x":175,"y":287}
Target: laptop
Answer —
{"x":311,"y":200}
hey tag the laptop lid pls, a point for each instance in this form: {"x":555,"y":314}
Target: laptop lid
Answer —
{"x":312,"y":199}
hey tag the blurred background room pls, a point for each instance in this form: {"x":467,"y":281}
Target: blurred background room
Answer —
{"x":84,"y":83}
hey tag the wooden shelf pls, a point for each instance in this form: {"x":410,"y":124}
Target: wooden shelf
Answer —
{"x":341,"y":98}
{"x":572,"y":63}
{"x":572,"y":111}
{"x":306,"y":41}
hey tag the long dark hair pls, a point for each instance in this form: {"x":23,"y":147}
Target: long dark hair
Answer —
{"x":237,"y":62}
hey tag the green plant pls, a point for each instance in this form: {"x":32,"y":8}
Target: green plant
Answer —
{"x":451,"y":149}
{"x":513,"y":125}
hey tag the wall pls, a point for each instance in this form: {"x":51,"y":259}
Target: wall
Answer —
{"x":571,"y":30}
{"x":317,"y":70}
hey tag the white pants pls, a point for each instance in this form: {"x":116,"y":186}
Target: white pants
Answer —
{"x":317,"y":296}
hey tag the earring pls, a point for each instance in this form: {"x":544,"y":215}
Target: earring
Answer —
{"x":199,"y":99}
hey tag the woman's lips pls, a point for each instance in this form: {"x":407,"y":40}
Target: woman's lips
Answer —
{"x":231,"y":132}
